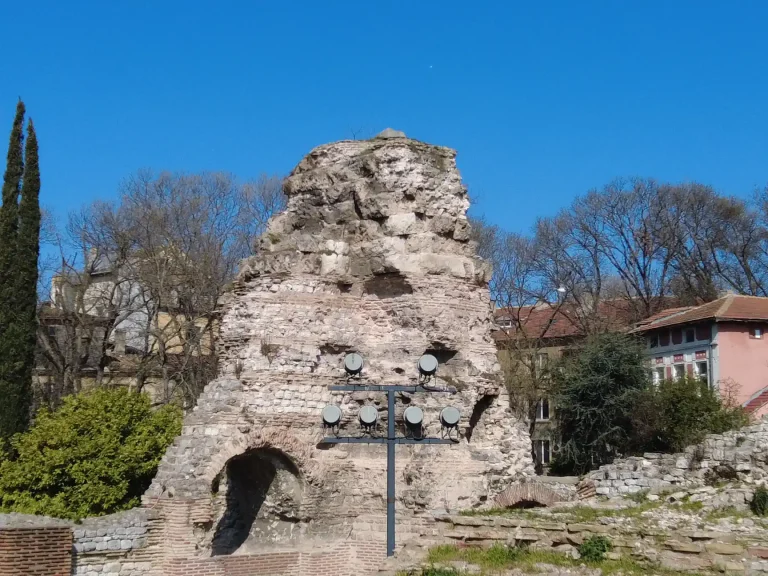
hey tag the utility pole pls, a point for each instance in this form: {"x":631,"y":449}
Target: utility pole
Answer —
{"x":449,"y":420}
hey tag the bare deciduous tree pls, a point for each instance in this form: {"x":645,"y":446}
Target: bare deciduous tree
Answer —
{"x":524,"y":317}
{"x":142,"y":278}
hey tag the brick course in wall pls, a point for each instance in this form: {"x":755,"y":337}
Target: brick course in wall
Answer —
{"x":343,"y":560}
{"x":45,"y":551}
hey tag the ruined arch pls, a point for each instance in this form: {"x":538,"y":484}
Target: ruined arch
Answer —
{"x":527,"y":494}
{"x":259,"y":485}
{"x":299,"y":450}
{"x":258,"y":499}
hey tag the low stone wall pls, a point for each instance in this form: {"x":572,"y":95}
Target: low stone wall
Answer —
{"x":736,"y":455}
{"x":680,"y":550}
{"x":34,"y":546}
{"x":117,"y":544}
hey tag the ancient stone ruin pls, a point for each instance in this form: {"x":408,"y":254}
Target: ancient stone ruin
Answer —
{"x":373,"y":256}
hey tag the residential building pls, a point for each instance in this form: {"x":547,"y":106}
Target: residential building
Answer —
{"x":529,"y":338}
{"x":721,"y":342}
{"x":103,"y":326}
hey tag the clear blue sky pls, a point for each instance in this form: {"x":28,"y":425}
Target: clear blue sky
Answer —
{"x":543,"y":100}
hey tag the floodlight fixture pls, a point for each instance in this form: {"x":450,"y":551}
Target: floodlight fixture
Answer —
{"x":353,"y":364}
{"x":427,"y":365}
{"x":450,"y":416}
{"x":368,"y":416}
{"x":331,"y":415}
{"x":413,"y":416}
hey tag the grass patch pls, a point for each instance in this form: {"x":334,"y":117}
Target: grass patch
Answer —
{"x":639,"y":497}
{"x":520,"y":512}
{"x":588,"y":514}
{"x":581,"y":514}
{"x":727,"y":512}
{"x":688,"y":506}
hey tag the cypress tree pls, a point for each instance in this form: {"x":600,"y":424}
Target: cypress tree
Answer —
{"x":27,"y":251}
{"x":14,"y":414}
{"x":9,"y":212}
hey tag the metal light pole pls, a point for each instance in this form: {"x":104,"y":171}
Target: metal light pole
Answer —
{"x":391,"y":440}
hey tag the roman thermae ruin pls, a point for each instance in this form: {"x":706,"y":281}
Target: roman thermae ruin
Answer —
{"x":373,"y":256}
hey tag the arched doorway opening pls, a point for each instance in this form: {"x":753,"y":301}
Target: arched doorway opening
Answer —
{"x":258,"y":501}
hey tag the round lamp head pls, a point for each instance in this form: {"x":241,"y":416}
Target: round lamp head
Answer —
{"x":353,"y":363}
{"x":428,"y":364}
{"x":331,"y":415}
{"x":413,"y":416}
{"x":368,"y":415}
{"x":450,"y":416}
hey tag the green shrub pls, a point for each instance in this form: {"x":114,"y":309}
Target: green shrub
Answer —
{"x":607,"y":408}
{"x":95,"y":455}
{"x":594,"y":548}
{"x":683,"y":412}
{"x":593,"y":394}
{"x":759,"y":504}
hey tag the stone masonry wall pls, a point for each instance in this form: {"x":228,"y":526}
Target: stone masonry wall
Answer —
{"x":371,"y":255}
{"x":695,"y":550}
{"x":119,"y":544}
{"x":735,"y":455}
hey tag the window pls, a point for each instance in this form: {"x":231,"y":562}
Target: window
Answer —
{"x":119,"y":341}
{"x":690,"y":335}
{"x":543,"y":451}
{"x":702,"y":371}
{"x":653,"y":341}
{"x":679,"y":371}
{"x":664,"y":339}
{"x":756,"y":333}
{"x":193,"y":333}
{"x":542,"y":410}
{"x":677,"y":336}
{"x":703,"y":332}
{"x":51,"y":331}
{"x":542,"y":360}
{"x":657,"y":376}
{"x":504,"y":322}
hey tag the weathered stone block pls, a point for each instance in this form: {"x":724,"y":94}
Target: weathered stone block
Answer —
{"x":723,"y":548}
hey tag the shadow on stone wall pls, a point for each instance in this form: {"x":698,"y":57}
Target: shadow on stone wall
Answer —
{"x":262,"y":486}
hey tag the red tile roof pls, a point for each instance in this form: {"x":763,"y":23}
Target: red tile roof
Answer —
{"x":757,"y":401}
{"x":547,"y":320}
{"x":732,"y":307}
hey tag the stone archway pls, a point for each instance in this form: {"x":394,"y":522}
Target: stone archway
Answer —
{"x":526,"y":495}
{"x":298,"y":449}
{"x":257,"y":502}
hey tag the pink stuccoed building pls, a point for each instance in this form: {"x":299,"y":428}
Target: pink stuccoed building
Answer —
{"x":722,"y":342}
